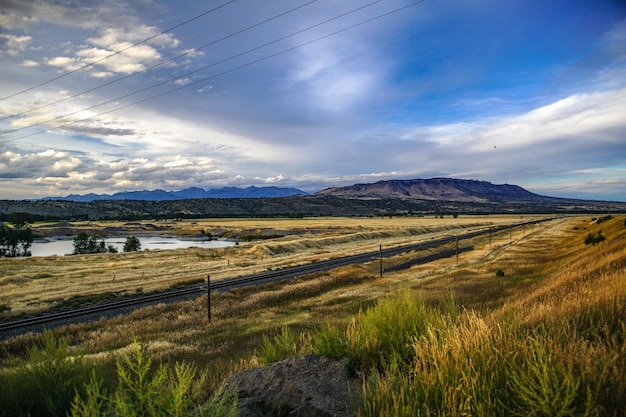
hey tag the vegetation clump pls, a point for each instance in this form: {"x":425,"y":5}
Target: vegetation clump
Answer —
{"x":84,"y":244}
{"x":594,"y":238}
{"x":132,"y":244}
{"x":15,"y":241}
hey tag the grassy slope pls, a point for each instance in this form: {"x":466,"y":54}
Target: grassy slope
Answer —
{"x":552,"y":281}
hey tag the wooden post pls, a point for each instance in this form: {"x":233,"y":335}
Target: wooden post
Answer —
{"x":208,"y":295}
{"x":456,"y":238}
{"x":381,"y":261}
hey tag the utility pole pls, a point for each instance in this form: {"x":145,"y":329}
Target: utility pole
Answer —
{"x":456,"y":238}
{"x":381,"y":260}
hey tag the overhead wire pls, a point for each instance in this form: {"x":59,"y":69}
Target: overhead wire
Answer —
{"x":202,"y":80}
{"x":172,"y":59}
{"x":89,"y":64}
{"x":183,"y":76}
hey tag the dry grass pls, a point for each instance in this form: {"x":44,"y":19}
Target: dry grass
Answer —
{"x":31,"y":285}
{"x":542,"y":266}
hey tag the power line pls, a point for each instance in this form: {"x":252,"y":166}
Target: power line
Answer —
{"x":192,"y":72}
{"x":267,"y":57}
{"x":193,"y":50}
{"x":65,"y":74}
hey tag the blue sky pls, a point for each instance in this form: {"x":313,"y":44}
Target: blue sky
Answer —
{"x":311,"y":94}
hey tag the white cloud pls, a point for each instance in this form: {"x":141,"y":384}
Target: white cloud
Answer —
{"x":13,"y":44}
{"x":30,"y":63}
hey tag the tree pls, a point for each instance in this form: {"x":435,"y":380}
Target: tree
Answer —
{"x":84,"y":244}
{"x":15,"y":241}
{"x":20,"y":219}
{"x":132,"y":244}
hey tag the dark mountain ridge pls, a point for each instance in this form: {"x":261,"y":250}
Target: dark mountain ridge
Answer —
{"x":385,"y":198}
{"x":187,"y":193}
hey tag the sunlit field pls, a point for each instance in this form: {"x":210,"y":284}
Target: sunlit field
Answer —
{"x":31,"y":285}
{"x":528,"y":311}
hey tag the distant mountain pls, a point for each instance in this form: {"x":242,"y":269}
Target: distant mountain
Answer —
{"x":384,"y":198}
{"x":439,"y":189}
{"x":188,"y":193}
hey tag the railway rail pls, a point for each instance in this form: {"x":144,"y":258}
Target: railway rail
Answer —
{"x":99,"y":310}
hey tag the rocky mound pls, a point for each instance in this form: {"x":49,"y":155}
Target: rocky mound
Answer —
{"x":306,"y":386}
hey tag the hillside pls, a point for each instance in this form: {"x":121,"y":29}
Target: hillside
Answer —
{"x":443,"y":189}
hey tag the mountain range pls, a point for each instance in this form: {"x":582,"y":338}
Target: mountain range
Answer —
{"x":383,"y":198}
{"x":187,"y":193}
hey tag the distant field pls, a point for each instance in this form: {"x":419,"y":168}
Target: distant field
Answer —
{"x":30,"y":285}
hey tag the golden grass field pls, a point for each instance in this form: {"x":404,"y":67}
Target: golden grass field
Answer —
{"x":243,"y":317}
{"x":35,"y":284}
{"x":557,"y":303}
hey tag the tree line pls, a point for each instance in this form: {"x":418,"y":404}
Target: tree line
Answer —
{"x":16,"y":240}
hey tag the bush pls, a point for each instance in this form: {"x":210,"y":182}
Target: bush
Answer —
{"x":145,"y":391}
{"x":282,"y":346}
{"x":44,"y":383}
{"x":500,"y":273}
{"x":592,"y":238}
{"x":604,"y":219}
{"x":381,"y":337}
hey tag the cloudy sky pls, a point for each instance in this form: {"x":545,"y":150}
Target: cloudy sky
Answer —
{"x":119,"y":95}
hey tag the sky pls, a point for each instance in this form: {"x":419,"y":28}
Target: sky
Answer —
{"x":123,"y":95}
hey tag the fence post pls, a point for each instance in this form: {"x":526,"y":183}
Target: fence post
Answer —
{"x":208,"y":295}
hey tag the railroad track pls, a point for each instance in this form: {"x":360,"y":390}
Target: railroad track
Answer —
{"x":99,"y":310}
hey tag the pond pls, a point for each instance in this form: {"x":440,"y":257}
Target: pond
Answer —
{"x":61,"y":247}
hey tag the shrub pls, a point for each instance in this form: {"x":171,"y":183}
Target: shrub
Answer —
{"x":330,"y":342}
{"x":46,"y":381}
{"x":593,"y":238}
{"x":145,"y":391}
{"x":500,"y":273}
{"x":381,"y":336}
{"x":282,"y":346}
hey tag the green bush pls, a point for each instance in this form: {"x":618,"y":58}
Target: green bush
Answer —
{"x":330,"y":342}
{"x":282,"y":346}
{"x":143,"y":390}
{"x":46,"y":381}
{"x":381,"y":337}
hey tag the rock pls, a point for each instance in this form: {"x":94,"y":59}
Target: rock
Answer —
{"x":306,"y":386}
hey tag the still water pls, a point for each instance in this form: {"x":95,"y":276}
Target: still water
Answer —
{"x":66,"y":246}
